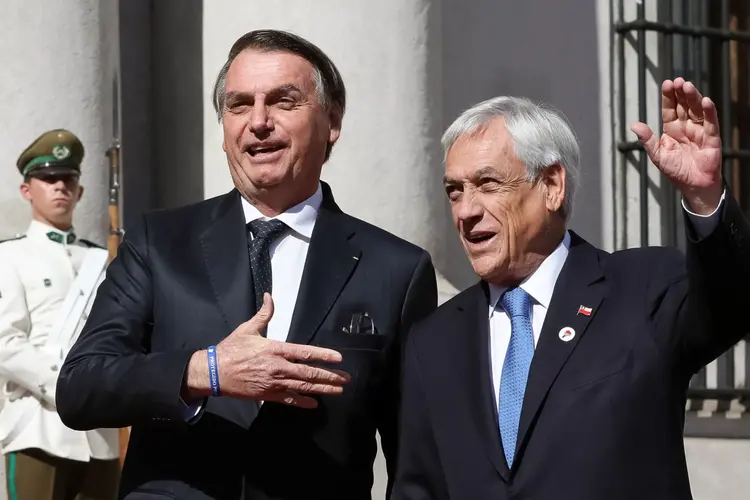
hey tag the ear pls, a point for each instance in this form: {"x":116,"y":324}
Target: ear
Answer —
{"x":80,"y":193}
{"x":335,"y":118}
{"x":25,"y":189}
{"x":553,"y":179}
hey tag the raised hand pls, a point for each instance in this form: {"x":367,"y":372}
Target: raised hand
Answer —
{"x":253,"y":367}
{"x":689,"y":150}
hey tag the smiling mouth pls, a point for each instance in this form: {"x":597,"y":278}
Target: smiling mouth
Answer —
{"x":477,"y":238}
{"x":263,"y":149}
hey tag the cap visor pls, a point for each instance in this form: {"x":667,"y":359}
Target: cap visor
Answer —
{"x":52,"y":171}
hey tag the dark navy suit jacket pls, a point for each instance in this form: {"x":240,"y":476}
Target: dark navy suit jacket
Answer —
{"x":603,"y":414}
{"x":181,"y":282}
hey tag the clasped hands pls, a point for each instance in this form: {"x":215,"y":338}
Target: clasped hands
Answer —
{"x":251,"y":366}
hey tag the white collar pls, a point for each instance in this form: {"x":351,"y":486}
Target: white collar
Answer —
{"x":38,"y":229}
{"x":541,"y":283}
{"x":300,"y":218}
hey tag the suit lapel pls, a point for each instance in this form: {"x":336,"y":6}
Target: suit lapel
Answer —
{"x":331,"y":260}
{"x":581,"y":283}
{"x":476,"y":369}
{"x":225,"y":253}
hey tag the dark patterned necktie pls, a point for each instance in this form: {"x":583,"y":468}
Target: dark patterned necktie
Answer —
{"x":264,"y":232}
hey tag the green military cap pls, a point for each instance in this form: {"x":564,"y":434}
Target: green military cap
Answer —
{"x":55,"y":152}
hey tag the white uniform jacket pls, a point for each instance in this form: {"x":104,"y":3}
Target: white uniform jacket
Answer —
{"x":37,"y":271}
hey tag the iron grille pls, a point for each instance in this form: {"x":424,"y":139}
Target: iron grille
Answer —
{"x":707,"y":42}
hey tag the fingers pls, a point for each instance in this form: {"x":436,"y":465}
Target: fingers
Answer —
{"x":260,"y":321}
{"x":297,"y":352}
{"x":308,"y":373}
{"x":300,"y":386}
{"x":647,"y":138}
{"x":679,"y":92}
{"x":681,"y":100}
{"x":668,"y":102}
{"x":710,"y":118}
{"x":293,"y":399}
{"x":693,"y":100}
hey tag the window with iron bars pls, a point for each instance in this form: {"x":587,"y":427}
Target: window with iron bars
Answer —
{"x":708,"y":43}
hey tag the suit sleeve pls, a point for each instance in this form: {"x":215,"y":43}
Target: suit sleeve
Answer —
{"x":420,"y":301}
{"x":111,"y":378}
{"x":712,"y":315}
{"x":419,"y":475}
{"x":26,"y":366}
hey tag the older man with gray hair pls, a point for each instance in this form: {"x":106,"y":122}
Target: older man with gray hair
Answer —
{"x":569,"y":365}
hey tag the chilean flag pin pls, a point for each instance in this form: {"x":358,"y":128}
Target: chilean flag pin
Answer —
{"x":586,"y":311}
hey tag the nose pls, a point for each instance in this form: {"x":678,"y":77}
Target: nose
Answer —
{"x":468,"y":209}
{"x":260,"y":120}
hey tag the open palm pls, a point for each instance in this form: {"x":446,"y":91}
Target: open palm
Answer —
{"x":689,"y":150}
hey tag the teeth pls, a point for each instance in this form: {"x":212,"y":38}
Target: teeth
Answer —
{"x":265,"y":149}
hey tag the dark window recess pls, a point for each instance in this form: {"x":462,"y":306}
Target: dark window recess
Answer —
{"x":707,"y":42}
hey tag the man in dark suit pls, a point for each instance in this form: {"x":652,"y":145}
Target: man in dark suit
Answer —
{"x":562,"y":374}
{"x":231,"y":392}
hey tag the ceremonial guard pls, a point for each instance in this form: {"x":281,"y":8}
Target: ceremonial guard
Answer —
{"x":48,"y":279}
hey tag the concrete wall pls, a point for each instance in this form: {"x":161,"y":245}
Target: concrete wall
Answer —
{"x":55,"y":76}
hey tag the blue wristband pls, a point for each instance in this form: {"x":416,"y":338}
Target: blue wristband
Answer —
{"x":213,"y":371}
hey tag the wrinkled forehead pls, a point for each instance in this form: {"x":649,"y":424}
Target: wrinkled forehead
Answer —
{"x":256,"y":71}
{"x":489,"y":147}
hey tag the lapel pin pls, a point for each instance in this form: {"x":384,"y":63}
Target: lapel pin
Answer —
{"x":586,"y":311}
{"x":567,"y":334}
{"x":355,"y":257}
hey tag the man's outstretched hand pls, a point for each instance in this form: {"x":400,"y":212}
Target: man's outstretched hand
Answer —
{"x":251,"y":366}
{"x":689,"y":150}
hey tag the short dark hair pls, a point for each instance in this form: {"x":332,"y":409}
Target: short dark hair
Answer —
{"x":330,"y":84}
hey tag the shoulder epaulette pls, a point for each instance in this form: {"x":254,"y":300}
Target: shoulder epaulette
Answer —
{"x":19,"y":237}
{"x":89,"y":244}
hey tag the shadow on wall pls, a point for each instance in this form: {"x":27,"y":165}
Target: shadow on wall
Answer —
{"x":162,"y":100}
{"x":541,"y":49}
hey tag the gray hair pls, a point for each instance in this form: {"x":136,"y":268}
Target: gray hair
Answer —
{"x":541,"y":137}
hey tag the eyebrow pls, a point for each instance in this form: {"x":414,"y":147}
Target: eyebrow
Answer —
{"x":288,"y":88}
{"x":482,"y":172}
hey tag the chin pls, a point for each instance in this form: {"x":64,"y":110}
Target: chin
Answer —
{"x":265,"y":176}
{"x":488,"y":269}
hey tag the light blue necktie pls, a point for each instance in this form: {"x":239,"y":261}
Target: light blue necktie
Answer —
{"x":517,"y":303}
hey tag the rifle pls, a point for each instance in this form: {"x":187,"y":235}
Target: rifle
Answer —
{"x":115,"y":232}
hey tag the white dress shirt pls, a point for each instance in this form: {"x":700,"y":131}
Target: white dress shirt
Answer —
{"x":288,"y":255}
{"x":540,"y":284}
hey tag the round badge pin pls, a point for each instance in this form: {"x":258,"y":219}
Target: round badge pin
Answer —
{"x":567,"y":334}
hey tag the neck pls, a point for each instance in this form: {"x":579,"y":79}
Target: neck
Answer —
{"x":61,"y":225}
{"x":272,"y":202}
{"x":538,"y":251}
